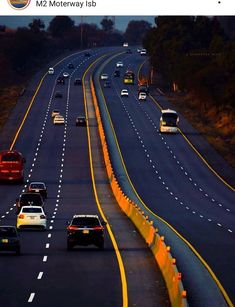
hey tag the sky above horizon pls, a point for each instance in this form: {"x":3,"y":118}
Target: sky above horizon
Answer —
{"x":121,"y":22}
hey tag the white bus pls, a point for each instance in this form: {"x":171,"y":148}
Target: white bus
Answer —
{"x":169,"y":121}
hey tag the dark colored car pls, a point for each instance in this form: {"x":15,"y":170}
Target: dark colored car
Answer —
{"x":143,"y":89}
{"x":29,"y":199}
{"x":81,"y":121}
{"x":116,"y":73}
{"x":58,"y":95}
{"x":38,"y":187}
{"x":70,"y":65}
{"x":129,"y":51}
{"x":85,"y":230}
{"x":60,"y":80}
{"x":9,"y":239}
{"x":77,"y":81}
{"x":107,"y":84}
{"x":87,"y":54}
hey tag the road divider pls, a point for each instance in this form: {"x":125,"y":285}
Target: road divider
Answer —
{"x":156,"y":243}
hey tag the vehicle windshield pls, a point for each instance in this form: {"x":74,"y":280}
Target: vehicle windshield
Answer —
{"x":10,"y":158}
{"x":31,"y":199}
{"x":170,"y":119}
{"x":37,"y":186}
{"x":32,"y":210}
{"x":85,"y":222}
{"x":7,"y":231}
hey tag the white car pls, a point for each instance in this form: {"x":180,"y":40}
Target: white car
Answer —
{"x":124,"y":93}
{"x":119,"y":64}
{"x":65,"y":74}
{"x":104,"y":77}
{"x":142,"y":96}
{"x":31,"y":216}
{"x":51,"y":71}
{"x":55,"y":112}
{"x":125,"y":44}
{"x":58,"y":120}
{"x":143,"y":52}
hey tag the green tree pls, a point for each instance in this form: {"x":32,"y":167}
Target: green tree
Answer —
{"x":60,"y":25}
{"x":136,"y":31}
{"x":37,"y":25}
{"x":107,"y":25}
{"x":194,"y":53}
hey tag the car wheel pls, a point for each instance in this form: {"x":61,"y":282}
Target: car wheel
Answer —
{"x":69,"y":247}
{"x":100,"y":245}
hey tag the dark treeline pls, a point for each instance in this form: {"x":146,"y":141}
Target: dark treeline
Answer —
{"x":24,"y":50}
{"x":195,"y":55}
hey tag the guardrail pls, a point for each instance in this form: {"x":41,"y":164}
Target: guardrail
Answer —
{"x":146,"y":228}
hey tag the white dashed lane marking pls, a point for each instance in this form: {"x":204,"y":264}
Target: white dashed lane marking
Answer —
{"x":168,"y":147}
{"x":174,"y":157}
{"x":40,"y":275}
{"x":31,"y":297}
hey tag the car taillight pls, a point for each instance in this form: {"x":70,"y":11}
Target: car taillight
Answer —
{"x":16,"y":171}
{"x":21,"y":216}
{"x":42,"y":217}
{"x":98,"y":228}
{"x":72,"y":228}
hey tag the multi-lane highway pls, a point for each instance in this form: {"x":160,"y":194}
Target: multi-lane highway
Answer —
{"x":46,"y":274}
{"x":171,"y":179}
{"x":168,"y":175}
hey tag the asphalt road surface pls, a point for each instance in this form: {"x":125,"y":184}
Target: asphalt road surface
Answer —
{"x":171,"y":178}
{"x":46,"y":274}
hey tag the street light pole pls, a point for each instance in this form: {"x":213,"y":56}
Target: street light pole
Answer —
{"x":81,"y":29}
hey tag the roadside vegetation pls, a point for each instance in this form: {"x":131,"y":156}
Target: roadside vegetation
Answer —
{"x":26,"y":50}
{"x":194,"y":59}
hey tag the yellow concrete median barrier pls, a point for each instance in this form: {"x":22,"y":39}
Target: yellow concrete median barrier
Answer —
{"x":161,"y":252}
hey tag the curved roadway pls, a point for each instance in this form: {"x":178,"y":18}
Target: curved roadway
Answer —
{"x":170,"y":177}
{"x":46,"y":274}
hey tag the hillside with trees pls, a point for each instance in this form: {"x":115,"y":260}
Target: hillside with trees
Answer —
{"x":195,"y":57}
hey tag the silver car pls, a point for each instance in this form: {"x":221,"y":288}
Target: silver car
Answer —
{"x":58,"y":120}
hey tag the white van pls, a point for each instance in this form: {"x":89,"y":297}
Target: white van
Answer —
{"x":51,"y":71}
{"x":169,"y":121}
{"x":142,"y":96}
